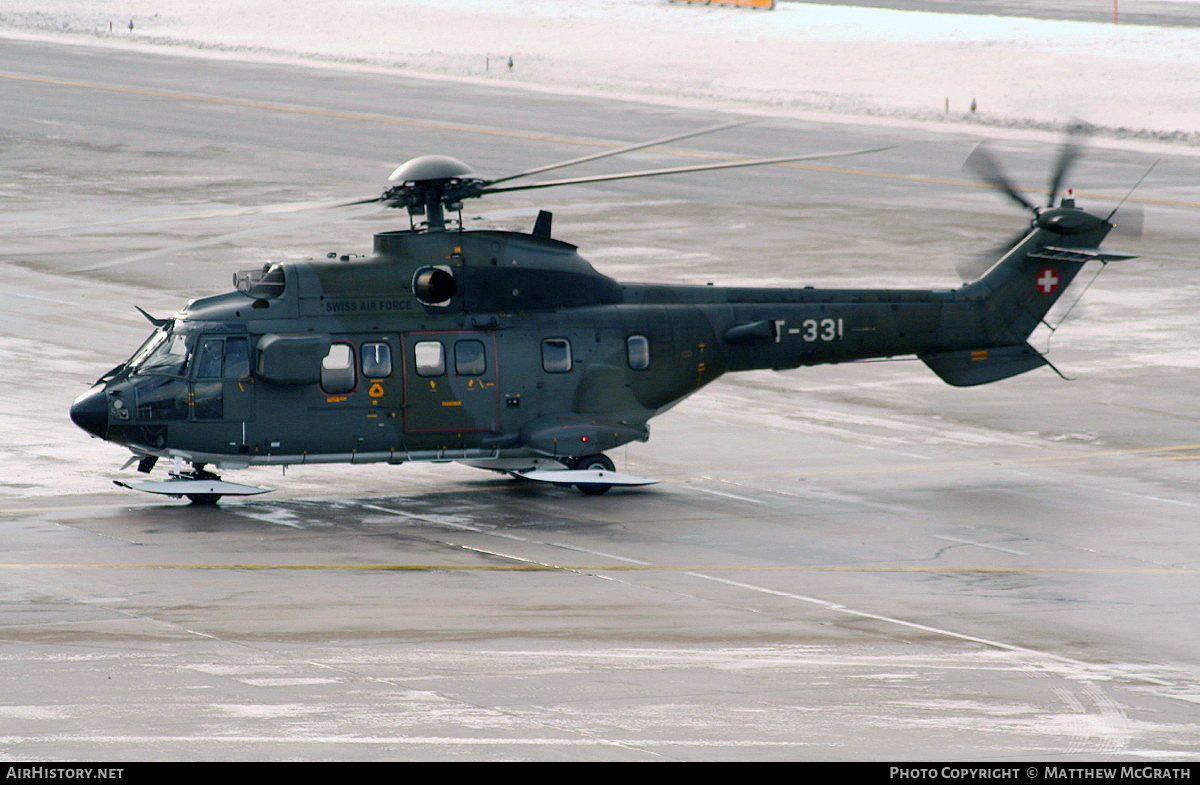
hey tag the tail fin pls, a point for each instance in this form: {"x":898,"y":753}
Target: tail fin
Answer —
{"x":1009,"y":302}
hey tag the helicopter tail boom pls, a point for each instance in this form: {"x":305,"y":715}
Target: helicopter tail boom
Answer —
{"x":972,"y":335}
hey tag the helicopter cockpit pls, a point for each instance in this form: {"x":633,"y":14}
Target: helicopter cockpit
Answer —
{"x":182,"y":372}
{"x":165,"y":352}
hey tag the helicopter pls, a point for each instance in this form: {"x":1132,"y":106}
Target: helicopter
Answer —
{"x":508,"y":351}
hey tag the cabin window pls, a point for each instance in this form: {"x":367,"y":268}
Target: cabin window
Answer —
{"x":637,"y":351}
{"x":337,"y":370}
{"x":556,"y":355}
{"x":469,"y":358}
{"x":376,"y":360}
{"x":430,"y":358}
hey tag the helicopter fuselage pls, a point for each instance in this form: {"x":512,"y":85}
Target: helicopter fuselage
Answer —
{"x":509,"y":351}
{"x":493,"y":345}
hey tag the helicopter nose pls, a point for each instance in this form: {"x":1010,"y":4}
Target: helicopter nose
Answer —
{"x":90,"y":411}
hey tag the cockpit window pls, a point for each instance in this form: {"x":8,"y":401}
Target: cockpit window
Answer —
{"x":227,"y":358}
{"x":167,"y":354}
{"x":210,"y":358}
{"x":237,"y":358}
{"x":147,"y":347}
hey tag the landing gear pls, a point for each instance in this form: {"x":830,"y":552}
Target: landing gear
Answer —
{"x":201,"y":487}
{"x":198,"y":473}
{"x":597,"y":462}
{"x":591,"y":474}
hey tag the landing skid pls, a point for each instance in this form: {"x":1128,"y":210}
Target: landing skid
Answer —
{"x":584,"y":476}
{"x":201,"y":486}
{"x":591,"y":474}
{"x":199,"y":491}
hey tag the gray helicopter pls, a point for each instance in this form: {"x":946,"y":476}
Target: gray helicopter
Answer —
{"x":509,"y":352}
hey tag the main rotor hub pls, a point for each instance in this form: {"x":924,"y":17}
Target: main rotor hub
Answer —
{"x":429,"y":167}
{"x":428,"y":185}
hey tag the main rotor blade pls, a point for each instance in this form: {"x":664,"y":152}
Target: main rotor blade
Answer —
{"x":1071,"y":150}
{"x":628,"y":149}
{"x":981,"y":162}
{"x":679,"y":170}
{"x":216,"y":240}
{"x":227,"y":212}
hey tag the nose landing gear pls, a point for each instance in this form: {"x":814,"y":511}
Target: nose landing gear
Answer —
{"x":199,"y":474}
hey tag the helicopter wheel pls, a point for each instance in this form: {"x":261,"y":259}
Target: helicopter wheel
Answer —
{"x":205,"y":499}
{"x":595,"y":462}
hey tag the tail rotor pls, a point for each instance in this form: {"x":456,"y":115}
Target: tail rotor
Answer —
{"x":1071,"y":149}
{"x":983,"y":165}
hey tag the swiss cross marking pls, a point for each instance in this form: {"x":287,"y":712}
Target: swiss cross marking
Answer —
{"x":1048,"y":280}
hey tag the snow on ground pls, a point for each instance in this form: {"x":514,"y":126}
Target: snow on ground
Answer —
{"x":800,"y":59}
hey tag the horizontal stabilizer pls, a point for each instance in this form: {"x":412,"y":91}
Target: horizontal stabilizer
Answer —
{"x":1052,"y":254}
{"x":181,"y":487}
{"x":584,"y":476}
{"x":968,"y":367}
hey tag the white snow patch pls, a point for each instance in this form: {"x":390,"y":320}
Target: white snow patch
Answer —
{"x":1135,"y":81}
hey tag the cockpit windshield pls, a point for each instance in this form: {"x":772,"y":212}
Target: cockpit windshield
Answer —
{"x":148,"y":346}
{"x":164,"y":352}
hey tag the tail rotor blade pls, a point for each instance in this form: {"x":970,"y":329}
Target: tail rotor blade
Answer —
{"x":974,"y":267}
{"x":1134,"y":215}
{"x":980,"y":162}
{"x":1129,"y":221}
{"x":1071,"y":149}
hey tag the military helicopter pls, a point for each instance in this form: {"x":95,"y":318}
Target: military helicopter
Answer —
{"x":509,"y":352}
